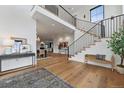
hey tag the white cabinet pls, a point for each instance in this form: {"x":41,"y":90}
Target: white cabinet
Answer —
{"x":8,"y":64}
{"x":13,"y":61}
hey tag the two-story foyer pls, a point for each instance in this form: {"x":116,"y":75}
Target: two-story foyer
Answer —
{"x":61,"y":46}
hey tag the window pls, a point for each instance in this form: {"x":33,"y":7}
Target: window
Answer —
{"x":97,"y":13}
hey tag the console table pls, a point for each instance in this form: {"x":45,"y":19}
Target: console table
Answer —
{"x":13,"y":61}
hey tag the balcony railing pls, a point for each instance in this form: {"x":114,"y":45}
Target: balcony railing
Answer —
{"x":62,"y":13}
{"x":59,"y":11}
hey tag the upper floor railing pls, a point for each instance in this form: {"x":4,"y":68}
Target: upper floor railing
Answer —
{"x":62,"y":13}
{"x":59,"y":11}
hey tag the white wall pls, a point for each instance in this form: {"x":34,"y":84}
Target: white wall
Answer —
{"x":123,"y":9}
{"x":38,"y":45}
{"x":109,"y":10}
{"x":113,"y":10}
{"x":65,"y":16}
{"x":84,"y":11}
{"x":15,"y":21}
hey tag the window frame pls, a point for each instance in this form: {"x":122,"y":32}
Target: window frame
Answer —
{"x":95,"y":8}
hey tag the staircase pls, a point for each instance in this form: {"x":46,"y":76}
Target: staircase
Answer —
{"x":92,"y":35}
{"x":93,"y":41}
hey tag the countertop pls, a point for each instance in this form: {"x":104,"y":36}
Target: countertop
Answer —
{"x":16,"y":55}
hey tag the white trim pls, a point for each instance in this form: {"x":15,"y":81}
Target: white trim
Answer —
{"x":52,"y":16}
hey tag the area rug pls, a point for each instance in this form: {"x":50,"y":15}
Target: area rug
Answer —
{"x":40,"y":78}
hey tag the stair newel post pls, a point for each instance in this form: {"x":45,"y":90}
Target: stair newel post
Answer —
{"x":109,"y":27}
{"x":98,"y":31}
{"x":102,"y":30}
{"x":123,"y":22}
{"x":68,"y":52}
{"x":112,"y":25}
{"x":75,"y":22}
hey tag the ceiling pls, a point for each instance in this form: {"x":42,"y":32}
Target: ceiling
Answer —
{"x":48,"y":29}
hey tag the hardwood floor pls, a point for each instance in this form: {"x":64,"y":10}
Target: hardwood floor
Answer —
{"x":82,"y":75}
{"x":77,"y":74}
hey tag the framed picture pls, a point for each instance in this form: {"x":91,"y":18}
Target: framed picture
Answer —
{"x":25,"y":48}
{"x":17,"y":44}
{"x":63,"y":45}
{"x":17,"y":39}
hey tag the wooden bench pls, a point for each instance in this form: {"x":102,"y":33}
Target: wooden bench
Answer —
{"x":89,"y":57}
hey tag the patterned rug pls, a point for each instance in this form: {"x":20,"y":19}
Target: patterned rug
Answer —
{"x":40,"y":78}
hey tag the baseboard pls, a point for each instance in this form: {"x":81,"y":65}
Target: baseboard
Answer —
{"x":76,"y":60}
{"x":15,"y":70}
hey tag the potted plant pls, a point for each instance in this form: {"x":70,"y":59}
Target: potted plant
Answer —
{"x":116,"y":43}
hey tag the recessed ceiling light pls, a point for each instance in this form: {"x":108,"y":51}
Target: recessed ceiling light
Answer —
{"x":71,"y":8}
{"x":53,"y":24}
{"x":60,"y":39}
{"x":67,"y":38}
